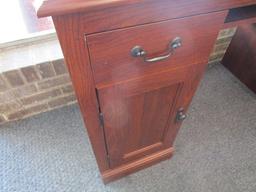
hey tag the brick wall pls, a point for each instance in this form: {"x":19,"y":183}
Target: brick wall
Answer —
{"x":46,"y":86}
{"x":34,"y":89}
{"x":221,"y":45}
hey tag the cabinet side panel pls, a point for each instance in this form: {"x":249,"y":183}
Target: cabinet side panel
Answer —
{"x":76,"y":55}
{"x":243,"y":63}
{"x":189,"y":89}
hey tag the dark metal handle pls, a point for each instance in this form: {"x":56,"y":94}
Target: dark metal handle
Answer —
{"x":181,"y":116}
{"x":138,"y":51}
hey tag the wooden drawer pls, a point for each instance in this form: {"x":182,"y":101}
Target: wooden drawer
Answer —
{"x":110,"y":52}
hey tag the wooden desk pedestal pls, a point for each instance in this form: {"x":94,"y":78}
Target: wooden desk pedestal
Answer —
{"x":135,"y":66}
{"x":240,"y":57}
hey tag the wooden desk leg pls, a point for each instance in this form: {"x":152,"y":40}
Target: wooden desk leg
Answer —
{"x":240,"y":57}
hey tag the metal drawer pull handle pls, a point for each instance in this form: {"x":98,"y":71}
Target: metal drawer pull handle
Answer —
{"x":181,"y":116}
{"x":138,"y":51}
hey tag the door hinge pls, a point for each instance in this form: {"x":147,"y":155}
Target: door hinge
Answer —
{"x":108,"y":157}
{"x":101,"y":118}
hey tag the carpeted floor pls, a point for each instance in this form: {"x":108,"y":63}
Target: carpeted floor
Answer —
{"x":215,"y":149}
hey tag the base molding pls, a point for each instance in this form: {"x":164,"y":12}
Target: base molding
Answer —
{"x":119,"y":172}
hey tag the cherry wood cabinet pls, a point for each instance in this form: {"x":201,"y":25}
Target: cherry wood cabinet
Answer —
{"x":243,"y":63}
{"x":135,"y":66}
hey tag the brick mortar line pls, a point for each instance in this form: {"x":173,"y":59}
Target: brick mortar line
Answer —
{"x":215,"y":60}
{"x":5,"y":117}
{"x":40,"y":103}
{"x":35,"y":83}
{"x":62,"y":96}
{"x":67,"y":84}
{"x":216,"y":52}
{"x":41,"y":80}
{"x":37,"y":73}
{"x":38,"y":112}
{"x":225,"y":37}
{"x":48,"y":109}
{"x":9,"y":86}
{"x":22,"y":77}
{"x":63,"y":105}
{"x":54,"y":87}
{"x":41,"y":92}
{"x":221,"y":44}
{"x":51,"y":66}
{"x":51,"y":78}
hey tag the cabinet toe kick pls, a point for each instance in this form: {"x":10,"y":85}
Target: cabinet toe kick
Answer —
{"x":132,"y":167}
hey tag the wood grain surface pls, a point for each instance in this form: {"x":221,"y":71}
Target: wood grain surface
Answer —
{"x":240,"y":57}
{"x":110,"y":52}
{"x":63,"y":7}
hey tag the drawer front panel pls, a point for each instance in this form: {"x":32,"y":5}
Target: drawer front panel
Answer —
{"x":110,"y":52}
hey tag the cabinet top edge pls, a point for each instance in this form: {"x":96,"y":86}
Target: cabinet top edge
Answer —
{"x":63,"y":7}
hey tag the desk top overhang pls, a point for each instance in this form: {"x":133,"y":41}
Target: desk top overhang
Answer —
{"x":63,"y":7}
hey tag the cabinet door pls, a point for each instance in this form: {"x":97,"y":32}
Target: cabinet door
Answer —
{"x":140,"y":114}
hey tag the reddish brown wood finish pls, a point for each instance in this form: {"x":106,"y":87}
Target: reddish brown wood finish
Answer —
{"x":241,"y":13}
{"x":179,"y":8}
{"x":139,"y":101}
{"x":105,"y":15}
{"x":240,"y":16}
{"x":240,"y":57}
{"x":124,"y":170}
{"x":239,"y":23}
{"x":186,"y":94}
{"x":151,"y":11}
{"x":136,"y":114}
{"x":81,"y":74}
{"x":77,"y":59}
{"x":63,"y":7}
{"x":118,"y":64}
